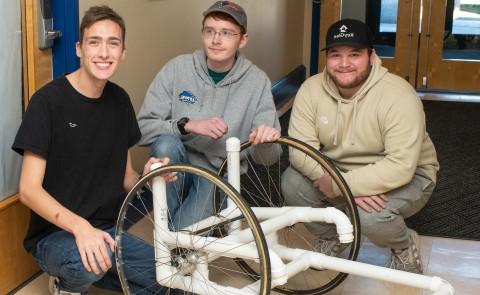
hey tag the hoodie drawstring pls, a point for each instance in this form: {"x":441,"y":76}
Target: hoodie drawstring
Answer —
{"x":339,"y":106}
{"x":354,"y":123}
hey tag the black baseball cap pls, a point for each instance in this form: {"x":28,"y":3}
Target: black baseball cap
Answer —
{"x":349,"y":32}
{"x":230,"y":8}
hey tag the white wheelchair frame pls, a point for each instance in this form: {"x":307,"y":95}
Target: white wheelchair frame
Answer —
{"x":285,"y":262}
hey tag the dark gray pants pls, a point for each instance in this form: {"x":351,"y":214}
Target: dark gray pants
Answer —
{"x":386,"y":228}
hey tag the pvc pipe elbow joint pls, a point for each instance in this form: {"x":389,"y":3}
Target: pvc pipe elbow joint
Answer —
{"x":441,"y":287}
{"x":344,"y":227}
{"x":279,"y":275}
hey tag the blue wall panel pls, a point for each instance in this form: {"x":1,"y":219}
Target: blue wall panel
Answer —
{"x":65,"y":19}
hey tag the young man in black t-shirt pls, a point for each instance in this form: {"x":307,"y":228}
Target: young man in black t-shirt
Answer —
{"x":75,"y":139}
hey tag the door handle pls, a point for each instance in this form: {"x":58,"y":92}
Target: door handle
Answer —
{"x":46,"y":33}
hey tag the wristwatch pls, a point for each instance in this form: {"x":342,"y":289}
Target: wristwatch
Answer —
{"x":181,"y":125}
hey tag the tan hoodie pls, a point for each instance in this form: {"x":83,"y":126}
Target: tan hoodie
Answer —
{"x":377,"y":138}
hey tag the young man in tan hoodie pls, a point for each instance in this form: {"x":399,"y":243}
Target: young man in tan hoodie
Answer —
{"x":372,"y":125}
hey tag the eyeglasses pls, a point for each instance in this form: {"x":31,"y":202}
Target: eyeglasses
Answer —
{"x":223,"y":34}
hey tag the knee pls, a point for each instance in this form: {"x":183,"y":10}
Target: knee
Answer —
{"x":298,"y":190}
{"x":380,"y":225}
{"x":75,"y":277}
{"x":168,"y":146}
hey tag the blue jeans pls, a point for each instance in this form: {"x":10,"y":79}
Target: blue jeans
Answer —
{"x":190,"y":198}
{"x":57,"y":254}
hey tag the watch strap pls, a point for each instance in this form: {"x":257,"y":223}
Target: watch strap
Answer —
{"x":181,"y":125}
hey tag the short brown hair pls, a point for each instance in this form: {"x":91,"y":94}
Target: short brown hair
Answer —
{"x":98,"y":13}
{"x":223,"y":16}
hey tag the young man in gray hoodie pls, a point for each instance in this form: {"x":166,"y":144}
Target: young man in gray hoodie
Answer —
{"x":197,"y":101}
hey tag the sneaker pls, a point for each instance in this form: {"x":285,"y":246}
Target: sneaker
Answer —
{"x":55,"y":289}
{"x":408,"y":259}
{"x":330,"y":247}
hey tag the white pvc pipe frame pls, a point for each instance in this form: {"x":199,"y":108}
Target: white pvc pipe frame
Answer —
{"x":240,"y":244}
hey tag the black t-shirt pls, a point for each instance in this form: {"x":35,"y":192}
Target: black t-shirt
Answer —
{"x":85,"y":143}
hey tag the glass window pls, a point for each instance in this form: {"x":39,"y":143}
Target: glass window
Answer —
{"x":10,"y":95}
{"x":388,"y":16}
{"x":462,"y":30}
{"x":381,"y":17}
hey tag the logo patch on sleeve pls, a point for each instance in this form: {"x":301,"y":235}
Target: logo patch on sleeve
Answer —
{"x":187,"y":97}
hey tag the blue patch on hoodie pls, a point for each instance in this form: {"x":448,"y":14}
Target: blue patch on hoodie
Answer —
{"x":187,"y":97}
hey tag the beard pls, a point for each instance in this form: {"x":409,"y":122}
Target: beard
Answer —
{"x":356,"y":82}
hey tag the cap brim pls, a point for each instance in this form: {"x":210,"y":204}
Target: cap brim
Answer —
{"x":354,"y":45}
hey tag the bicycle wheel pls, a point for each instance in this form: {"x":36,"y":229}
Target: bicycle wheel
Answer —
{"x":261,"y":186}
{"x":194,"y":255}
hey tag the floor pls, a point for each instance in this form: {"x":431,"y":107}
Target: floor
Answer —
{"x":457,"y":261}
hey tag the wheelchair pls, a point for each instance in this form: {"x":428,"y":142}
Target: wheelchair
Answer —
{"x":253,"y":243}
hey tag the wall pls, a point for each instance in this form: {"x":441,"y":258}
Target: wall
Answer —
{"x":158,"y":30}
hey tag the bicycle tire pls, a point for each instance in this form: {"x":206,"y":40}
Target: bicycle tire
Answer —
{"x":252,"y":197}
{"x":138,"y":203}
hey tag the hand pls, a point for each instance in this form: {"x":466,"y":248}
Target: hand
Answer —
{"x":213,"y":127}
{"x":91,"y":246}
{"x":324,"y":184}
{"x":263,"y":133}
{"x":169,"y":177}
{"x":376,"y":202}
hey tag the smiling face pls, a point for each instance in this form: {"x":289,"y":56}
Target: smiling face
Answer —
{"x":349,"y":68}
{"x":221,"y":50}
{"x":101,"y":50}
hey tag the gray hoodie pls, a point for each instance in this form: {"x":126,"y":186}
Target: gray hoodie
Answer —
{"x":183,"y":88}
